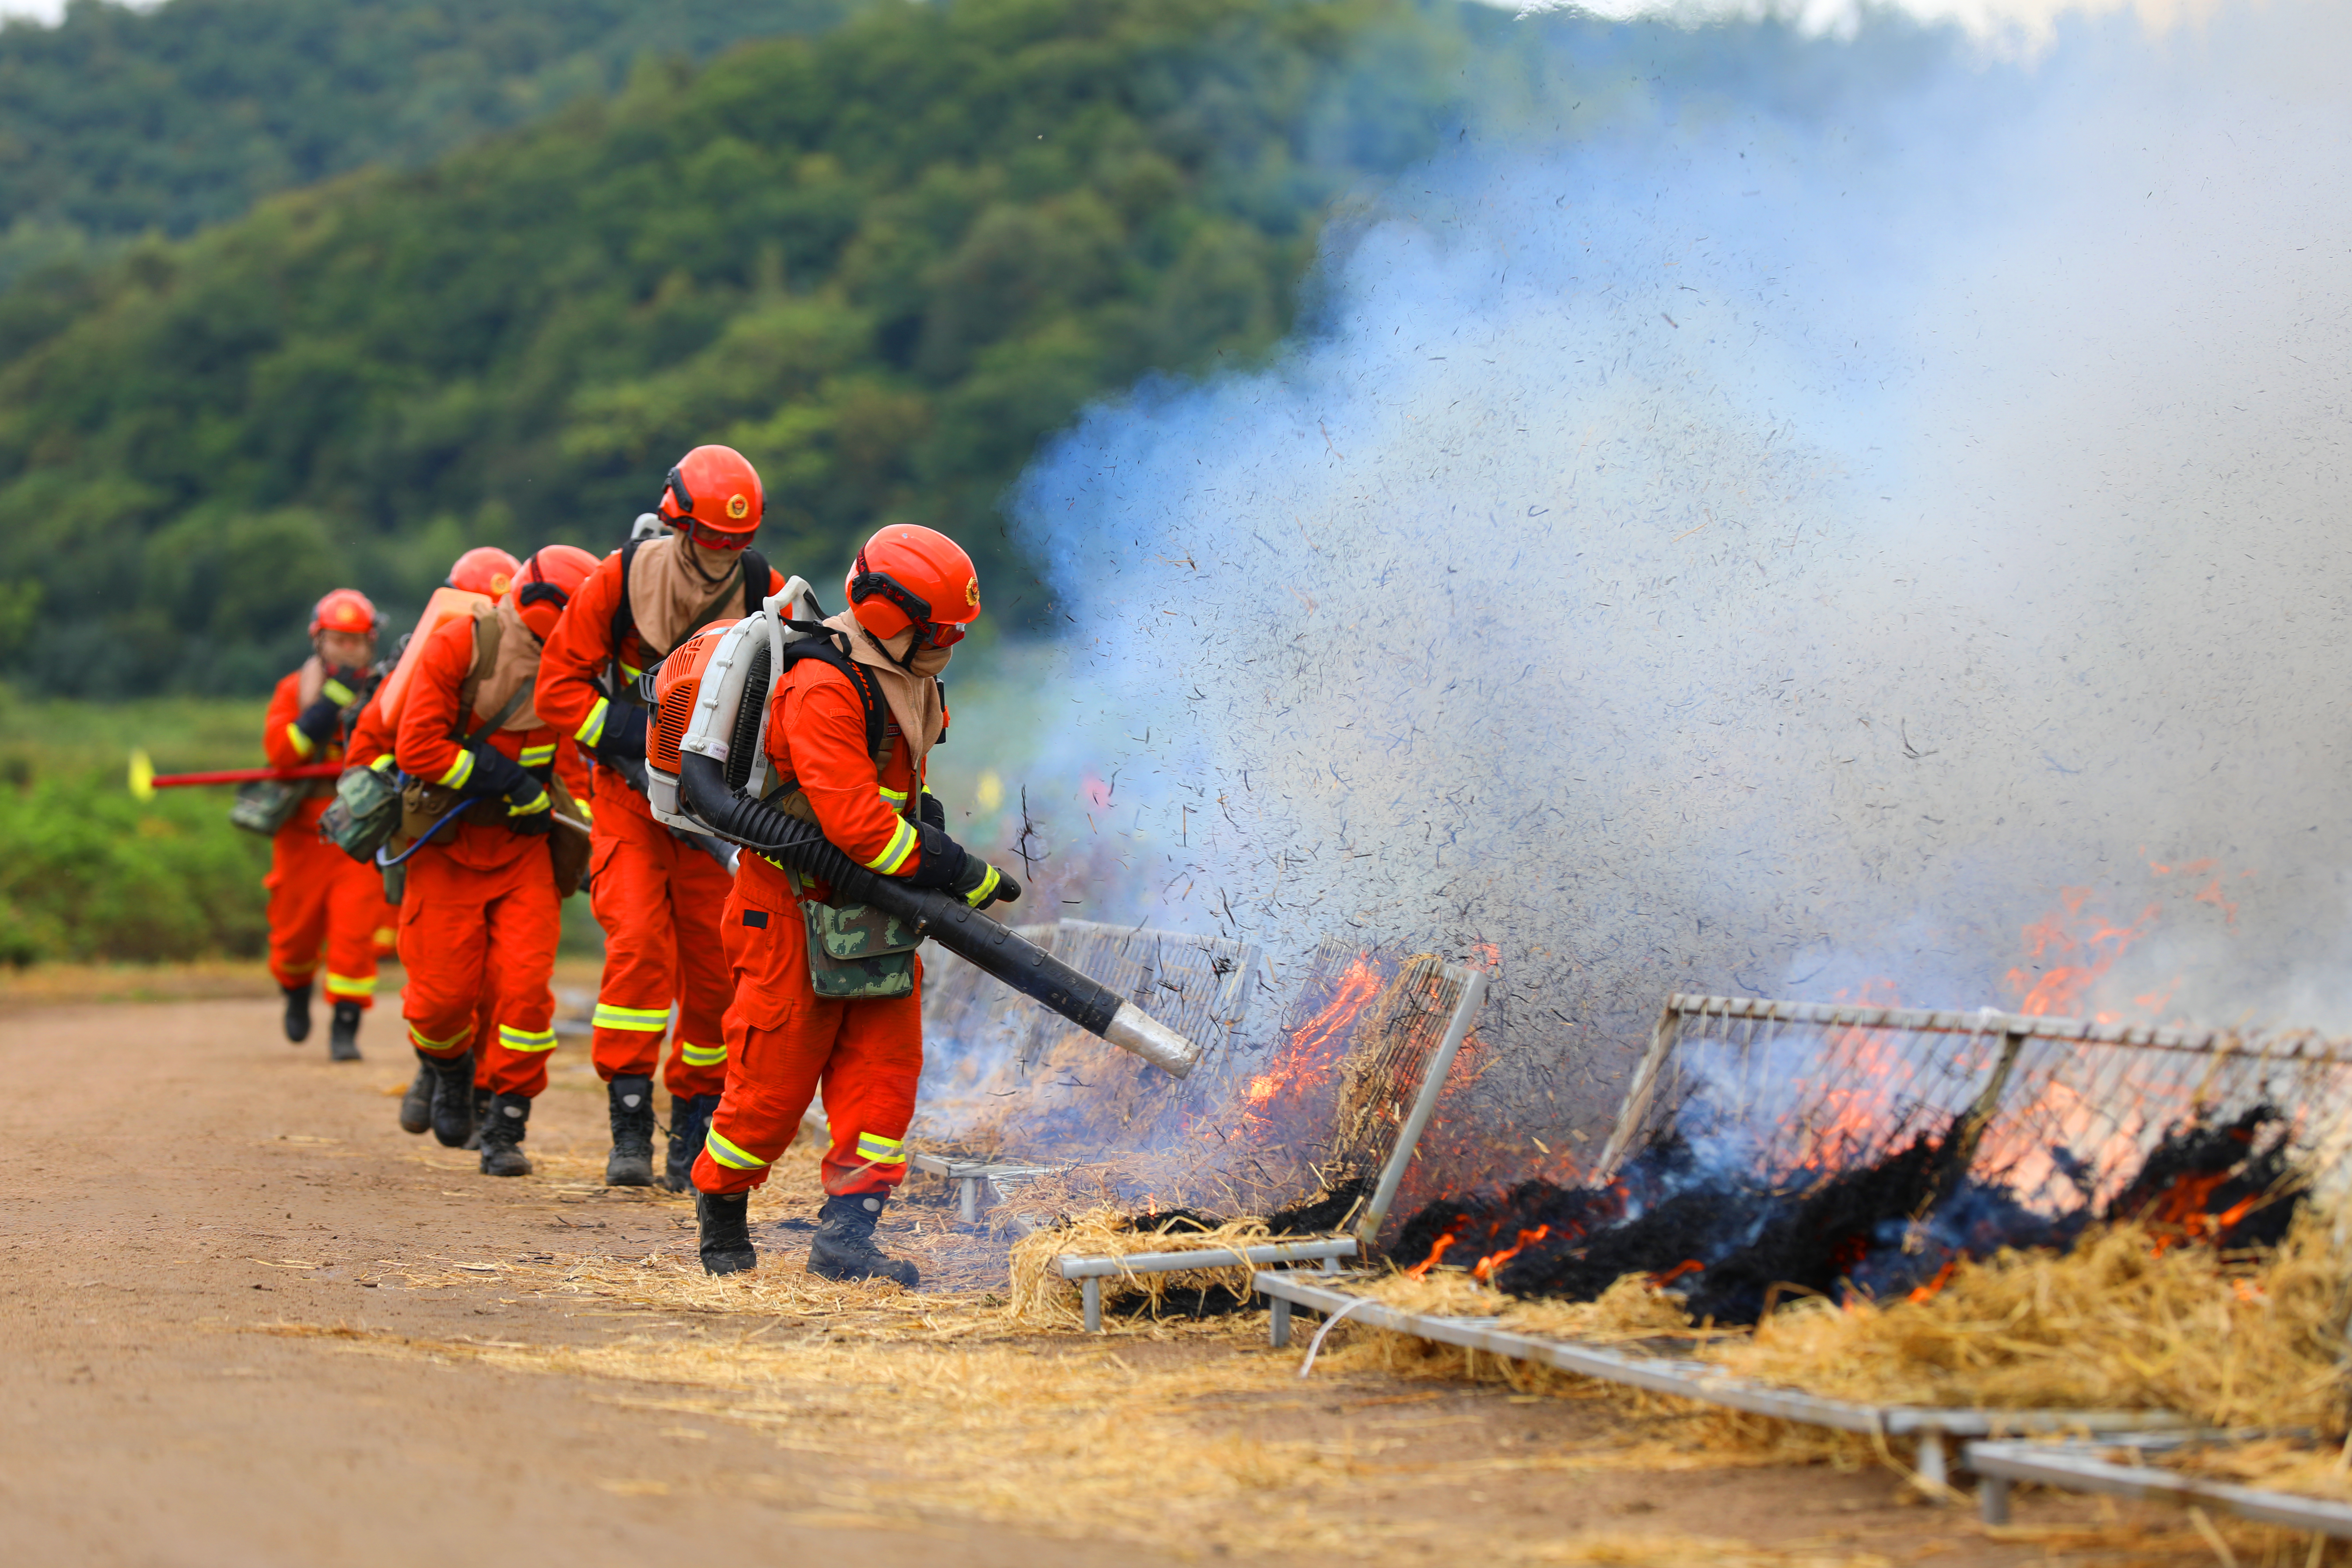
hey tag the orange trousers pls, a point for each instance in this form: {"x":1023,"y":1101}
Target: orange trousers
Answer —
{"x":784,"y":1044}
{"x":658,"y":901}
{"x":463,"y":933}
{"x":323,"y":903}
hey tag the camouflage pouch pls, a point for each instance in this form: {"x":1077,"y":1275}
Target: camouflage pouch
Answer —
{"x":855,"y":952}
{"x":264,"y":805}
{"x":365,"y":815}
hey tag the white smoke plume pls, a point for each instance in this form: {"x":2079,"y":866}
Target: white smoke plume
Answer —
{"x":1778,"y":554}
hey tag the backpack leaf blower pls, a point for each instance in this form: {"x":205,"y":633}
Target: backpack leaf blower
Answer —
{"x":706,"y":765}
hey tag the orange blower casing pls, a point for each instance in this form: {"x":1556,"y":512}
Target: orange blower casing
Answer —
{"x":676,"y":686}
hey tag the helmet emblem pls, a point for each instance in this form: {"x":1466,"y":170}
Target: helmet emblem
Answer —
{"x":738,"y":507}
{"x":971,"y":591}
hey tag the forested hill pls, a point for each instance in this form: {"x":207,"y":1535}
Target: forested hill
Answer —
{"x":117,"y":122}
{"x":883,"y":261}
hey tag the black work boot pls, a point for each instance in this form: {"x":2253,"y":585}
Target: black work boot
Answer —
{"x":451,"y":1111}
{"x":689,"y":1128}
{"x":726,"y":1240}
{"x":297,"y":1013}
{"x":630,"y":1162}
{"x":480,"y":1099}
{"x":843,"y":1247}
{"x":344,"y":1034}
{"x":502,"y":1131}
{"x":416,"y":1105}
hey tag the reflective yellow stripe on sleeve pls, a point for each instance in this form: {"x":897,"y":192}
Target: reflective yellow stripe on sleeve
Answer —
{"x":525,"y":1040}
{"x":593,"y":731}
{"x":459,"y":771}
{"x":538,"y":756}
{"x":696,"y":1055}
{"x":303,"y":745}
{"x":895,"y":796}
{"x":384,"y":763}
{"x":647,"y":1020}
{"x":734,"y":1156}
{"x":904,"y":842}
{"x":979,"y":895}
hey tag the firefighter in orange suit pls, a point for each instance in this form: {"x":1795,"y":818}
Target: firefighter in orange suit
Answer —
{"x":849,"y":733}
{"x":490,"y":570}
{"x":321,"y":902}
{"x":656,"y":892}
{"x":480,"y":905}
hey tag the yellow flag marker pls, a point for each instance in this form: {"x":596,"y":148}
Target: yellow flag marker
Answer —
{"x":143,"y":777}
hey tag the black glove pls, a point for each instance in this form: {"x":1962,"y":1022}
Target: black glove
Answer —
{"x":933,"y":814}
{"x":529,"y":810}
{"x":318,"y":720}
{"x":624,"y":740}
{"x":532,"y":813}
{"x":346,"y":683}
{"x":947,"y":863}
{"x":983,"y":884}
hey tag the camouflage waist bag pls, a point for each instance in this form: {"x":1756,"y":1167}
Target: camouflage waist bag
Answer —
{"x":855,"y":952}
{"x":365,"y":815}
{"x":264,"y":805}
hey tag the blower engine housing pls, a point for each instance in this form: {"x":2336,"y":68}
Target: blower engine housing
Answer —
{"x":710,"y":698}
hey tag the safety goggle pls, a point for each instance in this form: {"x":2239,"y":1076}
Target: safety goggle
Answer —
{"x":711,"y":538}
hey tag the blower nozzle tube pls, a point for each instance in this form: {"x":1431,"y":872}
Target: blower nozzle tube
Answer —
{"x":944,"y":918}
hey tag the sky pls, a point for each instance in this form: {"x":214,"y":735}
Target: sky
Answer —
{"x":2029,"y":18}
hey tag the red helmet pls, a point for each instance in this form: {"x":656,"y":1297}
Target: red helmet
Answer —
{"x":912,"y":576}
{"x":485,"y":569}
{"x":714,"y":498}
{"x":546,"y":582}
{"x":344,"y":610}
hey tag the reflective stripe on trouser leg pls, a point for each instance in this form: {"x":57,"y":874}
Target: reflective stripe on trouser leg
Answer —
{"x":524,"y":923}
{"x":733,"y":1156}
{"x":300,"y":885}
{"x":354,"y":909}
{"x":460,"y":1041}
{"x":629,"y":893}
{"x":705,"y":986}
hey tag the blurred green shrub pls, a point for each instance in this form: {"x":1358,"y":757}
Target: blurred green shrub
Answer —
{"x":89,"y":874}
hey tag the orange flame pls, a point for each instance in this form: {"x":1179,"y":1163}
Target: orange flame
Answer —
{"x":1943,"y":1278}
{"x":1687,"y":1265}
{"x":1483,"y":1270}
{"x":1421,"y":1269}
{"x":2060,"y":989}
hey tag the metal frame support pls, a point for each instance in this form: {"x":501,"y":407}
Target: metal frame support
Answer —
{"x":2086,"y":1467}
{"x":1424,"y":1105}
{"x":1932,"y":1425}
{"x":1090,"y":1272}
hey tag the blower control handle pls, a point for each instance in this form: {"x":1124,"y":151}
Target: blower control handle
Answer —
{"x":945,"y":918}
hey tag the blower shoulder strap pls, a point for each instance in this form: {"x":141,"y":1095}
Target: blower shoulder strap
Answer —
{"x":756,"y":584}
{"x":820,"y":645}
{"x":624,"y":623}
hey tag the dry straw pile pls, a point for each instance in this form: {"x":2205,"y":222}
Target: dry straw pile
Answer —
{"x":1042,"y":1299}
{"x":2231,"y":1340}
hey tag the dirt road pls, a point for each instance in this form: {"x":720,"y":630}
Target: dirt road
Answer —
{"x":244,"y":1319}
